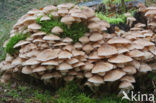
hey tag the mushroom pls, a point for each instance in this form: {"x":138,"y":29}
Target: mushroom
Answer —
{"x":97,"y":80}
{"x":102,"y":67}
{"x":95,"y":37}
{"x":114,"y":75}
{"x":64,"y":55}
{"x":27,"y":70}
{"x":120,"y":59}
{"x":126,"y":85}
{"x":128,"y":78}
{"x":31,"y":61}
{"x":48,"y":54}
{"x":51,"y":37}
{"x":129,"y":69}
{"x":107,"y":50}
{"x":21,"y":43}
{"x":57,"y":30}
{"x":64,"y":66}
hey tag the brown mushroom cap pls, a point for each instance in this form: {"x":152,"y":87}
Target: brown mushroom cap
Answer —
{"x":114,"y":75}
{"x":64,"y":66}
{"x":96,"y":37}
{"x":39,"y":69}
{"x":102,"y":67}
{"x":31,"y":61}
{"x":136,"y":53}
{"x":50,"y":62}
{"x":64,"y":55}
{"x":48,"y":54}
{"x":120,"y":59}
{"x":96,"y":79}
{"x":26,"y":70}
{"x":126,"y":85}
{"x":51,"y":37}
{"x":129,"y":69}
{"x":34,"y":26}
{"x":145,"y":68}
{"x":118,"y":40}
{"x":21,"y":43}
{"x":107,"y":50}
{"x":128,"y":78}
{"x":57,"y":30}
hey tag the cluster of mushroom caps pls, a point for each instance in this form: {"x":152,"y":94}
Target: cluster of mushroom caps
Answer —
{"x":97,"y":57}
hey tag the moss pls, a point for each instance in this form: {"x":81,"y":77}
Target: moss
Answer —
{"x":14,"y":40}
{"x":76,"y":30}
{"x":114,"y":1}
{"x":112,"y":20}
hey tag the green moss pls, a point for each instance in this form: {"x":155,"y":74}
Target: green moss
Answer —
{"x":14,"y":40}
{"x":71,"y":93}
{"x":76,"y":30}
{"x":114,"y":1}
{"x":112,"y":20}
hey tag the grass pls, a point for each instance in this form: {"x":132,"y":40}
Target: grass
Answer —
{"x":75,"y":31}
{"x":114,"y":1}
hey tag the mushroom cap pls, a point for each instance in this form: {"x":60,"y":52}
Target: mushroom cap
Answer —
{"x":64,"y":66}
{"x":88,"y":74}
{"x":84,"y":39}
{"x":128,"y":78}
{"x":102,"y":67}
{"x":39,"y":69}
{"x":65,"y":6}
{"x":50,"y":62}
{"x":77,"y":53}
{"x":48,"y":54}
{"x":47,"y":76}
{"x":87,"y":66}
{"x":145,"y":68}
{"x":129,"y":69}
{"x":126,"y":85}
{"x":107,"y":50}
{"x":119,"y":40}
{"x":67,"y":40}
{"x":153,"y":50}
{"x":143,"y":42}
{"x":51,"y":37}
{"x":114,"y":75}
{"x":96,"y":79}
{"x":57,"y":30}
{"x":21,"y":43}
{"x":26,"y":70}
{"x":49,"y":8}
{"x":120,"y":59}
{"x":67,"y":20}
{"x":31,"y":61}
{"x":136,"y":53}
{"x":34,"y":26}
{"x":95,"y":37}
{"x":17,"y":61}
{"x":79,"y":15}
{"x":45,"y":17}
{"x":122,"y":49}
{"x":73,"y":61}
{"x":87,"y":48}
{"x":64,"y":55}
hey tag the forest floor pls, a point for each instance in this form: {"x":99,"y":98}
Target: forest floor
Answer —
{"x":30,"y":90}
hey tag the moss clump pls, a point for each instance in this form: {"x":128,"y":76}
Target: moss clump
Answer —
{"x":112,"y":20}
{"x":14,"y":40}
{"x":114,"y":1}
{"x":75,"y":31}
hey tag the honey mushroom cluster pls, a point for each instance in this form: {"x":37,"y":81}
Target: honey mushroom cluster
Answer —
{"x":96,"y":57}
{"x":150,"y":13}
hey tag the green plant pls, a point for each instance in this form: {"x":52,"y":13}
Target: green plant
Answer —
{"x":43,"y":97}
{"x":14,"y":40}
{"x":114,"y":1}
{"x":112,"y":20}
{"x":75,"y":31}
